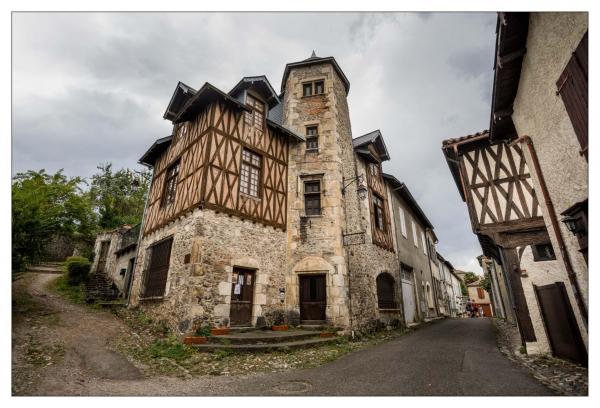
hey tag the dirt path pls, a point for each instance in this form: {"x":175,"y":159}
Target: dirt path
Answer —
{"x":60,"y":348}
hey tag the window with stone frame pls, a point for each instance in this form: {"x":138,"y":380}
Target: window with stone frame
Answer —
{"x":543,"y":252}
{"x":250,"y":173}
{"x":319,"y":87}
{"x":378,"y":212}
{"x":256,"y":117}
{"x":307,"y":89}
{"x":312,"y":197}
{"x":313,"y":88}
{"x":170,"y":188}
{"x":312,"y":138}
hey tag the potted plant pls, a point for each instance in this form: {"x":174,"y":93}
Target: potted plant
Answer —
{"x":278,"y":321}
{"x":200,"y":336}
{"x":219,"y":331}
{"x":330,"y":332}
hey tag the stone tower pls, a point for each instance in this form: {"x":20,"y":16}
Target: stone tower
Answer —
{"x":314,"y":103}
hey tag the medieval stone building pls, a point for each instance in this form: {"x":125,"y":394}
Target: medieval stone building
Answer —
{"x":262,"y":201}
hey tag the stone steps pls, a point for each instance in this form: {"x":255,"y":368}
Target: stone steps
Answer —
{"x":267,"y":346}
{"x":100,"y":287}
{"x":264,"y":337}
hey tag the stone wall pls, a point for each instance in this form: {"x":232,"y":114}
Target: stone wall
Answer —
{"x":114,"y":237}
{"x":200,"y":291}
{"x":315,"y":242}
{"x":539,"y":274}
{"x":541,"y":114}
{"x":58,"y":248}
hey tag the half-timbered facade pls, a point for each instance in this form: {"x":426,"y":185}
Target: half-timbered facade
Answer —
{"x":528,"y":168}
{"x":262,"y":201}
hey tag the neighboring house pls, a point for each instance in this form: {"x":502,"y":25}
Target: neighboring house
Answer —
{"x":450,"y":294}
{"x":501,"y":298}
{"x":459,"y":304}
{"x":481,"y":297}
{"x":536,"y":154}
{"x":411,"y":226}
{"x":115,"y":252}
{"x":262,"y":201}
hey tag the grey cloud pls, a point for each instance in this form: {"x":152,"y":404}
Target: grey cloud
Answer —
{"x":90,"y":88}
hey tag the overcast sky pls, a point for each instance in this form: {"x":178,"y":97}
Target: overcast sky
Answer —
{"x":92,"y":88}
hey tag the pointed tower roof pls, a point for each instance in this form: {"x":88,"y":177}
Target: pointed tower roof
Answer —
{"x":313,"y":59}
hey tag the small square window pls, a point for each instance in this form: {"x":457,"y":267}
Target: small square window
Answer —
{"x":319,"y":88}
{"x":307,"y":89}
{"x":543,"y":252}
{"x":312,"y":198}
{"x":312,"y":138}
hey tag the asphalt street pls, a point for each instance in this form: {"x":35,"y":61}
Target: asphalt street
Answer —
{"x":452,"y":357}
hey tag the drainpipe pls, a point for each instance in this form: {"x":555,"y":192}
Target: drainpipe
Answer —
{"x":139,"y":241}
{"x":555,"y":226}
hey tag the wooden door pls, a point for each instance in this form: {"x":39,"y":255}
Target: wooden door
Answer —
{"x":102,"y":257}
{"x":313,"y":298}
{"x":408,"y":301}
{"x":242,"y":295}
{"x":559,"y":321}
{"x":487,"y":310}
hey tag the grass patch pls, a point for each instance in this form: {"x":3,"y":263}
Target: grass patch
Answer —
{"x":169,"y":348}
{"x":75,"y":294}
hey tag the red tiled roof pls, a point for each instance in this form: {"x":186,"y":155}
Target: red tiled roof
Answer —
{"x":463,"y":138}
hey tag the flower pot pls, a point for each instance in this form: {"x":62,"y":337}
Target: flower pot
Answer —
{"x":282,"y":327}
{"x":219,"y":331}
{"x":194,"y":340}
{"x":326,"y":334}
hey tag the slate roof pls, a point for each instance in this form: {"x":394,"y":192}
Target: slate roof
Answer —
{"x":374,"y":137}
{"x":154,"y":152}
{"x":405,"y":193}
{"x":262,"y":84}
{"x":313,"y":59}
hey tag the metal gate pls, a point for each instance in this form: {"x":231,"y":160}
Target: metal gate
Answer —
{"x":559,"y":321}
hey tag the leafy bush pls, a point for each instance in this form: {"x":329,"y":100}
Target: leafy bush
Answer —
{"x":203,"y":330}
{"x":78,"y":269}
{"x":275,"y":317}
{"x":75,"y":294}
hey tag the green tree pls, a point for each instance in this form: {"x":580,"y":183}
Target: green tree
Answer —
{"x":44,"y":205}
{"x":463,"y":288}
{"x":486,"y":283}
{"x":118,"y":197}
{"x":470,"y":277}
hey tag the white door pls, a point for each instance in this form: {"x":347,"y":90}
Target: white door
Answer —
{"x":408,"y":301}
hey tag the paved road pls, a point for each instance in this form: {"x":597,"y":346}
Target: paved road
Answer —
{"x":451,"y":357}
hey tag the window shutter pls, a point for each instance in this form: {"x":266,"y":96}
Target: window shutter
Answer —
{"x":572,"y":85}
{"x":403,"y":222}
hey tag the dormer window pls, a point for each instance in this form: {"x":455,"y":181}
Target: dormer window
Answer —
{"x":170,"y":188}
{"x":374,"y":169}
{"x":256,"y":117}
{"x":313,"y":88}
{"x":378,"y":212}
